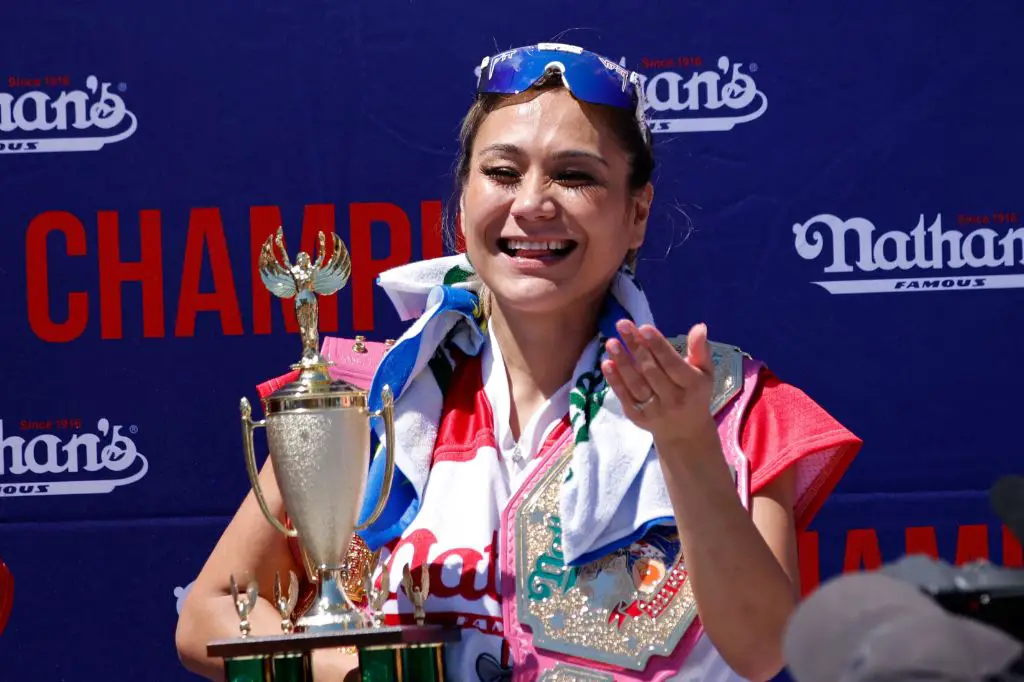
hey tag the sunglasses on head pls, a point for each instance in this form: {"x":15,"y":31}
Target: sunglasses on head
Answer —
{"x":588,"y":76}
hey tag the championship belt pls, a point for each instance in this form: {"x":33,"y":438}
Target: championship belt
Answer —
{"x":632,"y":614}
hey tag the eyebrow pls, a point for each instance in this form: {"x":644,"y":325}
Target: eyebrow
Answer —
{"x":513,"y":150}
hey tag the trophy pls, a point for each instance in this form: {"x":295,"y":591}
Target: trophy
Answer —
{"x":318,"y":432}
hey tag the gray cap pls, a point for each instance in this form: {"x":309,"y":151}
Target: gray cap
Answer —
{"x":868,"y":626}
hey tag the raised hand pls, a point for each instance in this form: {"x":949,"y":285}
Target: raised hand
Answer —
{"x":660,"y":390}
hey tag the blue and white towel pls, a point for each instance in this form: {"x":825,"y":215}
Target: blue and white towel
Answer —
{"x":614,"y":490}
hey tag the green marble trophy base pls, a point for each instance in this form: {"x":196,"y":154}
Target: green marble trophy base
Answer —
{"x":412,"y":663}
{"x":247,"y":669}
{"x":293,"y":667}
{"x":427,"y":660}
{"x":404,"y":653}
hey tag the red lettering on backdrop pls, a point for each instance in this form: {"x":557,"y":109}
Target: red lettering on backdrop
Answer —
{"x":1013,"y":556}
{"x":431,"y":229}
{"x":263,"y":222}
{"x":809,"y":554}
{"x":37,"y":270}
{"x":971,"y":544}
{"x":206,"y":239}
{"x":6,"y":594}
{"x":365,"y":268}
{"x":114,"y":272}
{"x":862,"y":551}
{"x":922,"y":540}
{"x":205,"y":230}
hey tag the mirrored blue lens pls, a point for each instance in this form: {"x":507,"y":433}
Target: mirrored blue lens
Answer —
{"x":589,"y":77}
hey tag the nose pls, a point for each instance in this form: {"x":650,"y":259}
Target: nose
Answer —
{"x":534,"y":200}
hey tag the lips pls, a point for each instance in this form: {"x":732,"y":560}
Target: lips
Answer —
{"x":545,"y":249}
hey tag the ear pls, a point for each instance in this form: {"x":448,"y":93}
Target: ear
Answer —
{"x":641,"y":212}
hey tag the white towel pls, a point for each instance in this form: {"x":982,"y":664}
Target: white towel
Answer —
{"x":614,"y":488}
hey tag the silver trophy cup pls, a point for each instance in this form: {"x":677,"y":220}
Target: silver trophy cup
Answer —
{"x":318,"y":432}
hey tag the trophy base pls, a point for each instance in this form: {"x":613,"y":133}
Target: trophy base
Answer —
{"x":414,"y":663}
{"x":402,"y":653}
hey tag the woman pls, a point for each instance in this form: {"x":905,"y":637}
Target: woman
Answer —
{"x":554,"y":411}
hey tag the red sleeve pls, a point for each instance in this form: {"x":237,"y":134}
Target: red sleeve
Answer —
{"x":786,"y":428}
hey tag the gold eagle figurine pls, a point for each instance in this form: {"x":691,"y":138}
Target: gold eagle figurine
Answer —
{"x":303,"y":281}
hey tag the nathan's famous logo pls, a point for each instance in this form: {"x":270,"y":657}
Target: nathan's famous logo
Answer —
{"x":34,"y":117}
{"x":35,"y":460}
{"x":682,"y":95}
{"x":928,"y":257}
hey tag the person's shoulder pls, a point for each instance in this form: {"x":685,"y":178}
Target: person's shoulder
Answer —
{"x":788,"y":408}
{"x":787,"y":430}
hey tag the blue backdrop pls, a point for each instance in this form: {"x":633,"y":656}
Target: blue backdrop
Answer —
{"x":837,"y":193}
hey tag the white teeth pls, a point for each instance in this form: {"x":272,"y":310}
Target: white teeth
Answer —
{"x":518,"y":244}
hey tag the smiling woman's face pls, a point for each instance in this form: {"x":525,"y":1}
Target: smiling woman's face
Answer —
{"x":547,"y":211}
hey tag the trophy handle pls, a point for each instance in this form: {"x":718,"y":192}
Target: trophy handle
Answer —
{"x":387,"y":411}
{"x":248,"y":426}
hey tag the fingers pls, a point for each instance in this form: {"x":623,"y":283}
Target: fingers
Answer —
{"x":646,"y":364}
{"x":625,"y":395}
{"x":682,"y":373}
{"x":659,"y":362}
{"x":635,"y":388}
{"x":643,"y":362}
{"x":698,"y":350}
